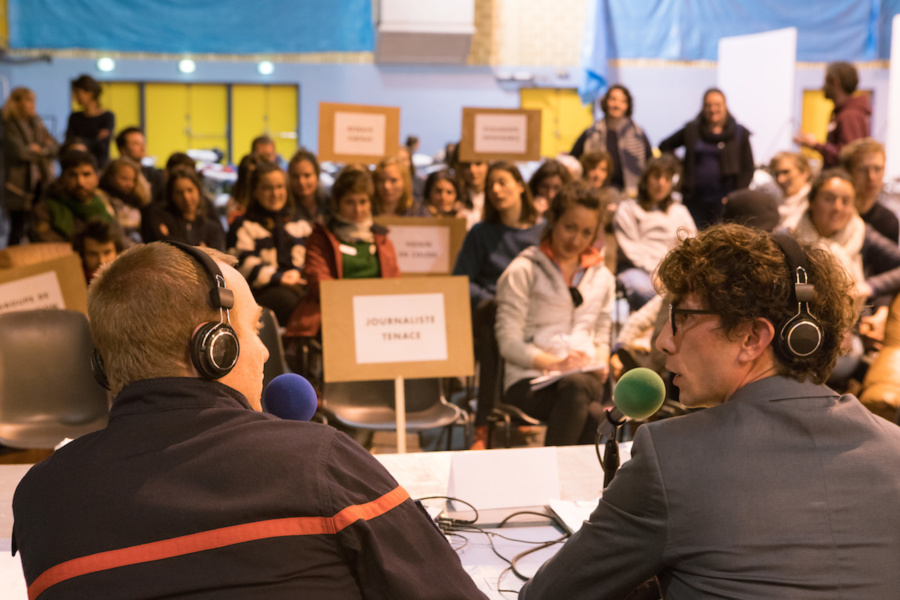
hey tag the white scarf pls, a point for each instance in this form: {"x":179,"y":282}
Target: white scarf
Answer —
{"x":845,"y":245}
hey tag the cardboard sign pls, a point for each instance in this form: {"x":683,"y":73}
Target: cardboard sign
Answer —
{"x":400,"y":328}
{"x":57,"y":283}
{"x":500,"y":134}
{"x":350,"y":133}
{"x":425,"y":245}
{"x":375,"y":329}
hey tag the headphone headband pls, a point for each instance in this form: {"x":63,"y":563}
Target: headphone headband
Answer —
{"x":220,"y":297}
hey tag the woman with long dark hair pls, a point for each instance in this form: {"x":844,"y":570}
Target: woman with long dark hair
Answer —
{"x":507,"y":228}
{"x":183,"y":218}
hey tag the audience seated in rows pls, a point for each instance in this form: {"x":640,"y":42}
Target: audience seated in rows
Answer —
{"x":792,"y":174}
{"x":129,"y":193}
{"x":183,"y":217}
{"x":507,"y":228}
{"x":546,"y":183}
{"x":871,"y":260}
{"x":269,"y":241}
{"x":471,"y":178}
{"x":71,"y":201}
{"x":442,"y":196}
{"x":239,"y":197}
{"x":132,"y":144}
{"x":863,"y":159}
{"x":647,"y":227}
{"x":349,"y":246}
{"x":311,"y":199}
{"x":393,"y":189}
{"x":98,"y":243}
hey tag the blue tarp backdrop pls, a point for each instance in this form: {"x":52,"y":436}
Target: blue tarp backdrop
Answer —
{"x":198,"y":26}
{"x":855,"y":30}
{"x":827,"y":30}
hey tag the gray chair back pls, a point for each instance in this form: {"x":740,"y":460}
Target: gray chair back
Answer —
{"x":47,"y":390}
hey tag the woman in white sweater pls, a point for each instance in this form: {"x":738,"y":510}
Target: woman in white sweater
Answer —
{"x":647,"y":227}
{"x":553,"y":314}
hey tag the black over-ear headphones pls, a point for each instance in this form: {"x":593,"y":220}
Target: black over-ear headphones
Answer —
{"x":214,"y":345}
{"x":800,"y":335}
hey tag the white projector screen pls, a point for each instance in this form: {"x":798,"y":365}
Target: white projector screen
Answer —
{"x":756,"y":73}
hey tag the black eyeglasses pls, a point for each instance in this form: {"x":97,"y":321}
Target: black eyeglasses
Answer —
{"x":674,"y":312}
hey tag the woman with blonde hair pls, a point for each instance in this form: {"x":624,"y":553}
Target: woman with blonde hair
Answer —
{"x":393,"y":188}
{"x":27,"y":153}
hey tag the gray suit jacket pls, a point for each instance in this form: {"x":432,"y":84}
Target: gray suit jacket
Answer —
{"x":787,"y":490}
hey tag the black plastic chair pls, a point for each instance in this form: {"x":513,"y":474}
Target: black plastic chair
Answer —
{"x":47,"y":390}
{"x":270,"y":334}
{"x":271,"y":338}
{"x":369,"y":405}
{"x":506,"y":413}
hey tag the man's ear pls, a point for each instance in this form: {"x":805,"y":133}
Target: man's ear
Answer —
{"x":756,"y":338}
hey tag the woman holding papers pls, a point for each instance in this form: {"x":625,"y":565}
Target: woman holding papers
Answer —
{"x":553,"y":315}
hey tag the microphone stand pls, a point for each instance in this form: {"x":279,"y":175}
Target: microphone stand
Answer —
{"x":609,"y":427}
{"x":611,"y":458}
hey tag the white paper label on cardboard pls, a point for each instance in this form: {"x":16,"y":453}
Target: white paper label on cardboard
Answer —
{"x":32,"y":293}
{"x":359,"y":133}
{"x":399,"y":328}
{"x":505,"y":478}
{"x":500,"y":134}
{"x":422,"y":249}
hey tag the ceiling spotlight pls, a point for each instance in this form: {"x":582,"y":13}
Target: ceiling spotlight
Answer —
{"x":265,"y":67}
{"x":187,"y":65}
{"x":106,"y":64}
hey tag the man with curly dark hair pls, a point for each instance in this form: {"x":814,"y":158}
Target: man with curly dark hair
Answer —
{"x":773,"y":491}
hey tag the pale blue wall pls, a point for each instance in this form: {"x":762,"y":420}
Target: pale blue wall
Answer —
{"x":430,"y":98}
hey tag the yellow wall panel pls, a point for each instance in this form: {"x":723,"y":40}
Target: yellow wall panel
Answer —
{"x":264,"y":110}
{"x":166,"y":108}
{"x":208,"y":117}
{"x":563,"y":118}
{"x":248,"y":117}
{"x":124,"y":100}
{"x":282,"y":118}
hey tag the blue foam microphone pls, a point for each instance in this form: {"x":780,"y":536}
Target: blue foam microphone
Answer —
{"x":290,"y":397}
